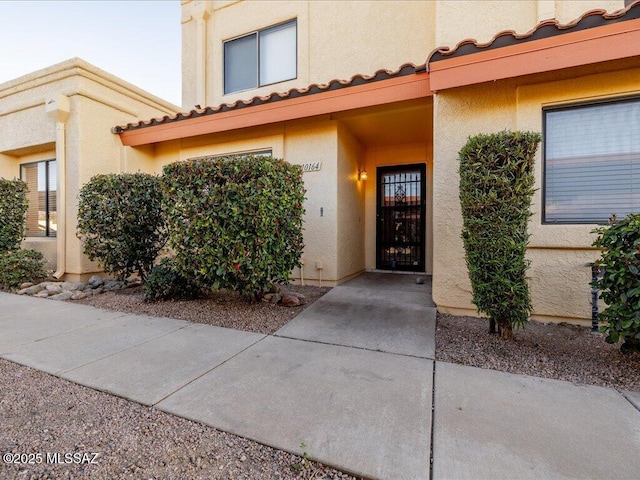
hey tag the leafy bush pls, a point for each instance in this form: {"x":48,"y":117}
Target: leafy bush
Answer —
{"x":620,"y":283}
{"x":121,"y":222}
{"x":13,"y":208}
{"x":496,"y":187}
{"x":235,"y":222}
{"x":165,"y":281}
{"x":19,"y":266}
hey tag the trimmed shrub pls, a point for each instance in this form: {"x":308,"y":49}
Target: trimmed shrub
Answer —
{"x":13,"y":208}
{"x":235,"y":222}
{"x":165,"y":282}
{"x":121,"y":222}
{"x":620,"y":283}
{"x":496,"y":187}
{"x":19,"y":266}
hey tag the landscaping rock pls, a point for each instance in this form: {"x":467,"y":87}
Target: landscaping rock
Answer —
{"x":289,"y":300}
{"x":25,"y":285}
{"x":78,"y":295}
{"x":32,"y":290}
{"x":299,"y":296}
{"x":61,"y":296}
{"x":54,"y":289}
{"x":95,"y":281}
{"x":268,"y":297}
{"x":73,"y":286}
{"x":42,"y":294}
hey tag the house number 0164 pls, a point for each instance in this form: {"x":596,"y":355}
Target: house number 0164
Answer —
{"x":311,"y":167}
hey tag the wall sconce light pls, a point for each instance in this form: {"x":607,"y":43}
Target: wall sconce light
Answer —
{"x":362,"y":174}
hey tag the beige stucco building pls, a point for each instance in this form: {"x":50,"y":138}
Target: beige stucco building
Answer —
{"x":374,"y":100}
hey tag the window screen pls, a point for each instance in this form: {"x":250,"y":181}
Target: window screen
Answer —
{"x":240,"y":64}
{"x":260,"y":58}
{"x":592,"y":162}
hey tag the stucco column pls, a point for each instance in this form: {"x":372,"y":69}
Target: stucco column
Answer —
{"x":58,"y":109}
{"x":201,"y":14}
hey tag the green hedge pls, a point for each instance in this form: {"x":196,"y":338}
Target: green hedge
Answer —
{"x":13,"y":208}
{"x":496,"y":187}
{"x":165,"y":282}
{"x":235,"y":222}
{"x":19,"y":266}
{"x":620,"y":283}
{"x":121,"y":222}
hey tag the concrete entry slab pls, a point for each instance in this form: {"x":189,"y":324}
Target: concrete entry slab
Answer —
{"x":337,"y":320}
{"x":495,"y":425}
{"x":365,"y":412}
{"x":84,"y":345}
{"x":26,"y":319}
{"x":392,"y":281}
{"x":149,"y":372}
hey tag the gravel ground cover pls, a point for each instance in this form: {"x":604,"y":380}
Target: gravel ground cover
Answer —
{"x":40,"y":413}
{"x":225,"y":309}
{"x":560,"y":351}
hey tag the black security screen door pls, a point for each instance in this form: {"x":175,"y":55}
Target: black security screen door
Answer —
{"x":401,"y":212}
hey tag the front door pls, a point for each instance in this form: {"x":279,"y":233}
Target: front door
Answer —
{"x":401,"y":216}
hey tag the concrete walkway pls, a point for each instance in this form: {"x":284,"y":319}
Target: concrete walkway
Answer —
{"x":352,"y":377}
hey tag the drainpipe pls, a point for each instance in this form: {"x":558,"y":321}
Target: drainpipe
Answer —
{"x":201,"y":16}
{"x":58,"y":109}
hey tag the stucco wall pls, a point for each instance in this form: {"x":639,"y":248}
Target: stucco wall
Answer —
{"x":560,"y":253}
{"x":459,"y":114}
{"x":457,"y":20}
{"x":559,"y":276}
{"x":350,"y":205}
{"x":335,"y":40}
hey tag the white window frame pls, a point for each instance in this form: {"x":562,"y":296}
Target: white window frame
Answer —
{"x":582,"y":170}
{"x":258,"y":33}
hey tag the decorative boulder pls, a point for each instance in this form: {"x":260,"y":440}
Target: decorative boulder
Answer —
{"x":289,"y":300}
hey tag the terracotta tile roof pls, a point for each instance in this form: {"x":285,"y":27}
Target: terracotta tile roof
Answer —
{"x":545,"y":29}
{"x":359,"y":79}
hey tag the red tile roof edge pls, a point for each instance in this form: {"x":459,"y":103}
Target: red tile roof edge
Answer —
{"x":358,"y":79}
{"x":544,"y":29}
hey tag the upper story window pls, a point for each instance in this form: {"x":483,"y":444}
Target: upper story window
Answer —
{"x":261,"y":58}
{"x":592,"y":161}
{"x":42,"y":216}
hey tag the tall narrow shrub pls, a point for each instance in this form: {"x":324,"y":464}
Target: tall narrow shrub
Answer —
{"x":13,"y":208}
{"x":496,"y":188}
{"x":235,"y":222}
{"x":121,"y":222}
{"x":620,"y":283}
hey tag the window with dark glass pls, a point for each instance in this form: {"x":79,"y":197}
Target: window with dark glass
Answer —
{"x":592,"y":161}
{"x":41,"y":180}
{"x":261,"y":58}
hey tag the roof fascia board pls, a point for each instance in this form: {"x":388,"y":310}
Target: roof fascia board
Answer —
{"x":407,"y":87}
{"x":609,"y":42}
